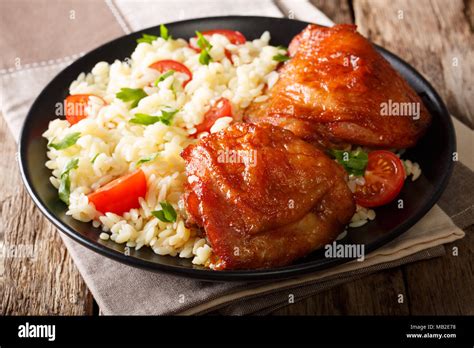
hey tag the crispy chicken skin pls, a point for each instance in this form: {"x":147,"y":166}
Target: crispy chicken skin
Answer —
{"x":263,"y":196}
{"x":332,"y":90}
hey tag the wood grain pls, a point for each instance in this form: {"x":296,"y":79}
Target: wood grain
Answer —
{"x":443,"y":286}
{"x":39,"y":276}
{"x":435,"y":36}
{"x":339,"y":11}
{"x":374,"y":294}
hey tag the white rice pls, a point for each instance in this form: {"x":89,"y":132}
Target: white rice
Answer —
{"x":117,"y":145}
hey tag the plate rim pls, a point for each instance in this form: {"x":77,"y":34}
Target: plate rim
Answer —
{"x":286,"y":272}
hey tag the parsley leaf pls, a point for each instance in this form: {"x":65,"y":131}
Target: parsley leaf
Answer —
{"x":133,"y":95}
{"x":354,"y":162}
{"x":164,"y":32}
{"x":65,"y":185}
{"x":95,"y":157}
{"x":204,"y":57}
{"x":147,"y":38}
{"x":167,"y":116}
{"x":145,"y":119}
{"x":202,"y":41}
{"x":72,"y":164}
{"x":68,"y":141}
{"x":164,"y":77}
{"x":167,"y":214}
{"x":65,"y":189}
{"x":281,"y":58}
{"x":147,"y":159}
{"x":205,"y":46}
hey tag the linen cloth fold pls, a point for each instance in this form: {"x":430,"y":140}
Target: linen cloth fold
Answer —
{"x":28,"y":64}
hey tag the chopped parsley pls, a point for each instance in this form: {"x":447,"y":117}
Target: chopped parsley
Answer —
{"x":354,"y":162}
{"x":146,"y":38}
{"x":94,"y":158}
{"x":167,"y":214}
{"x":147,"y":159}
{"x":164,"y":32}
{"x":164,"y":77}
{"x":281,"y":57}
{"x":133,"y":95}
{"x":65,"y":184}
{"x":205,"y":46}
{"x":67,"y":141}
{"x":145,"y":119}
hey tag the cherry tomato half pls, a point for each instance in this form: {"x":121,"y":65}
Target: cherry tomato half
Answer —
{"x":234,"y":37}
{"x":384,"y":178}
{"x":221,"y":108}
{"x":168,"y":64}
{"x":120,"y":195}
{"x":76,"y":107}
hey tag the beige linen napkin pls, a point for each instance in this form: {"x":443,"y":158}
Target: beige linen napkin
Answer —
{"x":28,"y":64}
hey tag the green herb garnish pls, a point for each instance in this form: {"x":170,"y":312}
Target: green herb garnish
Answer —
{"x":133,"y":95}
{"x":204,"y":57}
{"x":167,"y":116}
{"x":164,"y":32}
{"x":354,"y":162}
{"x":94,"y":158}
{"x":68,"y":141}
{"x":147,"y":159}
{"x":145,"y":119}
{"x":164,"y":76}
{"x":64,"y":189}
{"x":281,"y":58}
{"x":72,"y":164}
{"x":65,"y":185}
{"x":205,"y":46}
{"x":167,"y":214}
{"x":146,"y":38}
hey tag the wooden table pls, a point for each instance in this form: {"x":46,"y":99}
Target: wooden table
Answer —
{"x":434,"y":36}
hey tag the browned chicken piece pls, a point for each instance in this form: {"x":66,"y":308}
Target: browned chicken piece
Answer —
{"x":263,"y":196}
{"x":336,"y":90}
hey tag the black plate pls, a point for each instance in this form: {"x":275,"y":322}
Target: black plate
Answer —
{"x":433,"y":153}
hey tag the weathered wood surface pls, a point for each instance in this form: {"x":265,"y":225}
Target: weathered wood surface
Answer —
{"x":435,"y":36}
{"x":430,"y":35}
{"x":39,"y":277}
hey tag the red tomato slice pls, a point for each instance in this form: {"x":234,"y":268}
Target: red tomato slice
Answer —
{"x":120,"y":195}
{"x":168,"y":64}
{"x":221,"y":108}
{"x":228,"y":56}
{"x":76,"y":107}
{"x":384,"y":177}
{"x":234,"y":37}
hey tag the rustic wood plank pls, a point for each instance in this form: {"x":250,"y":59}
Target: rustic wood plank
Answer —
{"x":41,"y":279}
{"x":376,"y":294}
{"x":443,"y":286}
{"x":435,"y":36}
{"x":338,"y":11}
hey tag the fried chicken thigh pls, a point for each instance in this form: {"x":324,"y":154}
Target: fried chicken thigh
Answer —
{"x":333,"y":91}
{"x":264,"y":197}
